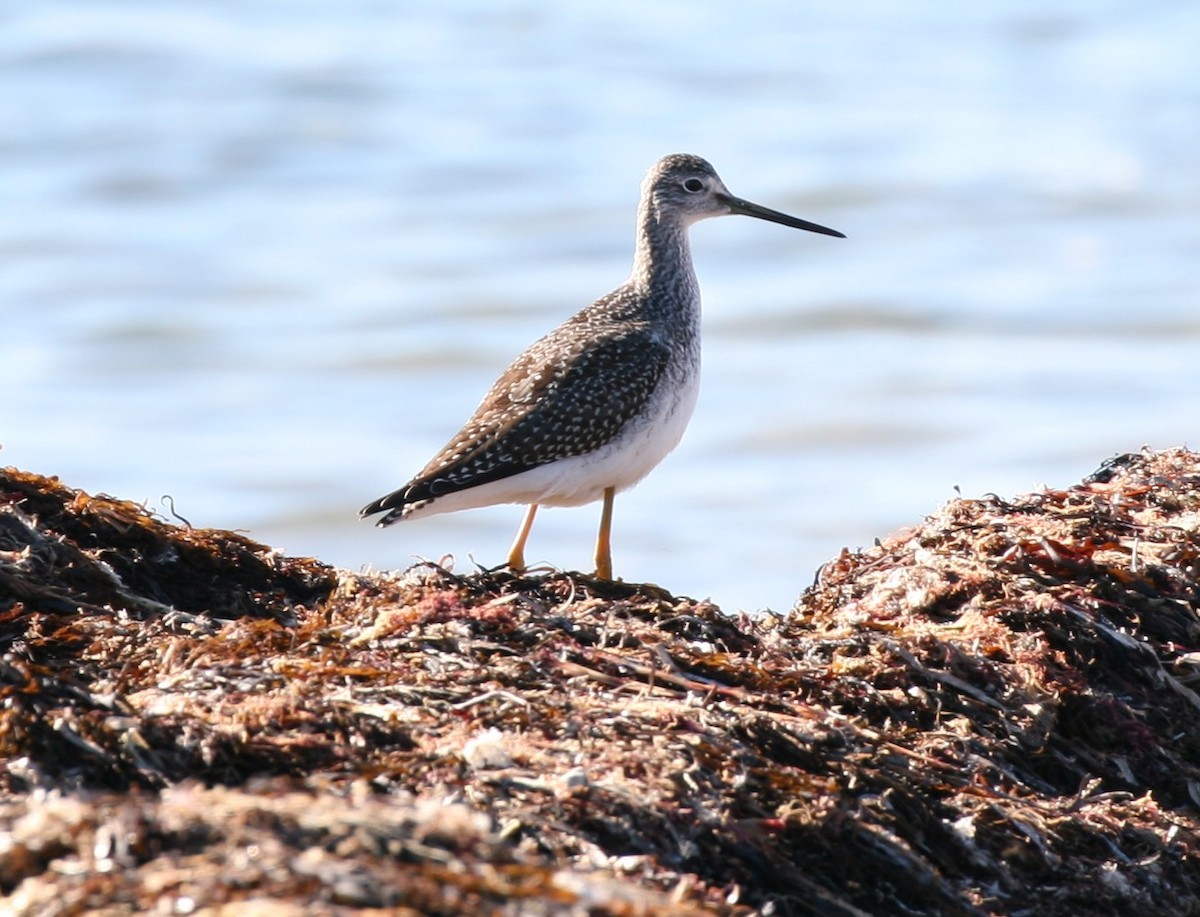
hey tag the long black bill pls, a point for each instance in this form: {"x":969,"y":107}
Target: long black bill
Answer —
{"x":737,"y":205}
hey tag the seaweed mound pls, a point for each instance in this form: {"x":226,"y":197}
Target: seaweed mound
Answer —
{"x":991,"y":712}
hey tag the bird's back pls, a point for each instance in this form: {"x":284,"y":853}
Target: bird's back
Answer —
{"x":569,"y":394}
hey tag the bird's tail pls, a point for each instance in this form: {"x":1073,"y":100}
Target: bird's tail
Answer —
{"x":394,"y":503}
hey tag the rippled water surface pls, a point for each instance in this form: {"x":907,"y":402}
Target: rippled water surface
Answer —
{"x":266,"y":257}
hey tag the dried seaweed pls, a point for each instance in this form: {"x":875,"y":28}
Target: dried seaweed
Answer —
{"x":992,"y":712}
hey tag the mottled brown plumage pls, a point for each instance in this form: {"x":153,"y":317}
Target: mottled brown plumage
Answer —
{"x":567,"y":395}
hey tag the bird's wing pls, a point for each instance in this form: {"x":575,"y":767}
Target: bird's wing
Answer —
{"x":569,"y":394}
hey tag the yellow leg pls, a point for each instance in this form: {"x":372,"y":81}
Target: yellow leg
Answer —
{"x":604,"y":539}
{"x":516,"y":554}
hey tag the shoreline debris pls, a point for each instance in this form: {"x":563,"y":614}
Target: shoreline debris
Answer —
{"x":994,"y":711}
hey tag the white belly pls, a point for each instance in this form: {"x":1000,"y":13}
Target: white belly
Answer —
{"x":641,"y":445}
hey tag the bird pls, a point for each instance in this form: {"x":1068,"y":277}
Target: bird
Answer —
{"x":590,"y":408}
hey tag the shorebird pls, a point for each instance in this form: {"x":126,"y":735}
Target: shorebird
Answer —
{"x":593,"y":406}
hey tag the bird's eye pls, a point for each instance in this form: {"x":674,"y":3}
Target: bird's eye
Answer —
{"x":693,"y":185}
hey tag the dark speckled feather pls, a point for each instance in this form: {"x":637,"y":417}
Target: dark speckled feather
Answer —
{"x":567,"y":395}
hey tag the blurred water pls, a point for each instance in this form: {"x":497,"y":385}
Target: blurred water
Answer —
{"x":265,"y":257}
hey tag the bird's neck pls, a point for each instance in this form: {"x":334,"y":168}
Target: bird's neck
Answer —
{"x":662,"y":263}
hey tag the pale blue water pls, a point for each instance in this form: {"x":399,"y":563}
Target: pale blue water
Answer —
{"x":266,"y":257}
